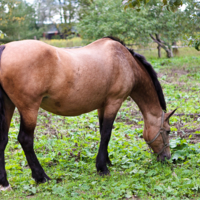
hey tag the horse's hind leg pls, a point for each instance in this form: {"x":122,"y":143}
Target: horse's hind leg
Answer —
{"x":109,"y":115}
{"x":26,"y":135}
{"x":5,"y":121}
{"x":101,"y":116}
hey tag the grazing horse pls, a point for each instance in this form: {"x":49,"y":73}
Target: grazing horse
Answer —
{"x":71,"y":82}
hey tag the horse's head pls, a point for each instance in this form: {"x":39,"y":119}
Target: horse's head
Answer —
{"x":157,"y":137}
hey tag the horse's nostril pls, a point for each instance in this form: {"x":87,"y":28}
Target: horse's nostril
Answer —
{"x":167,"y":156}
{"x":163,"y":157}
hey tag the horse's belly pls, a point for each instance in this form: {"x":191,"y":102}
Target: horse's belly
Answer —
{"x":69,"y":107}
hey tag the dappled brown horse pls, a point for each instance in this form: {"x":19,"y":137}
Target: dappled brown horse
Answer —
{"x":70,"y":82}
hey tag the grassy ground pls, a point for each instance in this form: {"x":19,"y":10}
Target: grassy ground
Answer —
{"x":67,"y":147}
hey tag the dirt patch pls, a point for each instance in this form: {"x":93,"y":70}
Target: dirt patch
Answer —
{"x":173,"y":72}
{"x":179,"y":71}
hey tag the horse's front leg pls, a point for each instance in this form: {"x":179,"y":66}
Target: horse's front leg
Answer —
{"x":25,"y":137}
{"x":109,"y":115}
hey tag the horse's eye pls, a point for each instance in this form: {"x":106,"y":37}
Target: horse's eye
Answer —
{"x":168,"y":132}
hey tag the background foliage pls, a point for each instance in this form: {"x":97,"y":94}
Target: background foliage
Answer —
{"x":130,"y":20}
{"x":17,"y":21}
{"x":109,"y":18}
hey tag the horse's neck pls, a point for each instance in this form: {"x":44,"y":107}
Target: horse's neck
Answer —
{"x":145,"y":96}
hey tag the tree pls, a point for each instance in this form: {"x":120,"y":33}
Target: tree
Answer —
{"x":46,"y":10}
{"x":193,"y":37}
{"x":68,"y":14}
{"x":108,"y":18}
{"x":70,"y":11}
{"x":191,"y":12}
{"x":138,"y":4}
{"x":166,"y":27}
{"x":17,"y":21}
{"x":83,"y":8}
{"x":151,"y":23}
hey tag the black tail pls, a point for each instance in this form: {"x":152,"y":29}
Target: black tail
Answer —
{"x":2,"y":110}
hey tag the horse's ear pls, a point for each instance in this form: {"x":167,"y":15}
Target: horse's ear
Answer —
{"x":168,"y":115}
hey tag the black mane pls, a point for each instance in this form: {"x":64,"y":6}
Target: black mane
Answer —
{"x":149,"y":69}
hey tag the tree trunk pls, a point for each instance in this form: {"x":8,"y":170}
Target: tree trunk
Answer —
{"x":163,"y":45}
{"x":175,"y":49}
{"x":159,"y":51}
{"x":159,"y":47}
{"x":169,"y":53}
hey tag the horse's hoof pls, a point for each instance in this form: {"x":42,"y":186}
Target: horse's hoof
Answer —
{"x":7,"y":188}
{"x":43,"y":179}
{"x":104,"y":173}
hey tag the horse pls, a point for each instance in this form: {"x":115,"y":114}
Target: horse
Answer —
{"x":70,"y":82}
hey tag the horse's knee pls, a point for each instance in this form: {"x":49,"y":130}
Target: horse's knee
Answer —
{"x":25,"y":140}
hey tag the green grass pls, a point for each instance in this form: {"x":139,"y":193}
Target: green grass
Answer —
{"x":67,"y":148}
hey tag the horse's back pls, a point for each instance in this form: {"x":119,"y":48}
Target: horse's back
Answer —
{"x":102,"y":71}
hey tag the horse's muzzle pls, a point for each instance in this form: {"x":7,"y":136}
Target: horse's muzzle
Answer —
{"x":162,"y":157}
